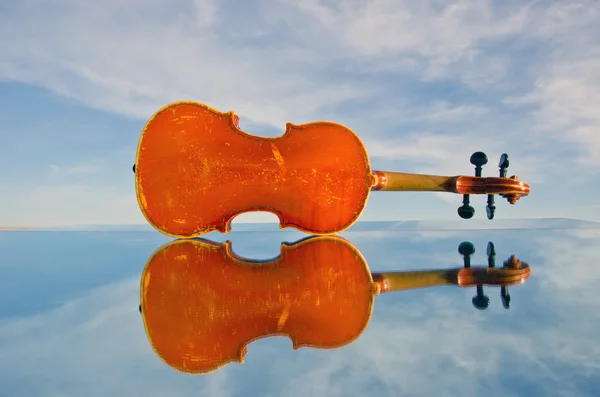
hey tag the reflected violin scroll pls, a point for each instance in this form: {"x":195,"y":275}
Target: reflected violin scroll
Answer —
{"x":316,"y":177}
{"x":202,"y":304}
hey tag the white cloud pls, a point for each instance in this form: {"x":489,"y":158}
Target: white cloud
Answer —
{"x":75,"y":169}
{"x":451,"y":69}
{"x":137,"y":66}
{"x":568,"y":96}
{"x":86,"y":339}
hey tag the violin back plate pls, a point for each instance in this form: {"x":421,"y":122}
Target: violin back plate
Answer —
{"x":202,"y":305}
{"x":196,"y":170}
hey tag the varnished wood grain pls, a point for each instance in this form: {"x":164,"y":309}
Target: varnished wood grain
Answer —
{"x":195,"y":170}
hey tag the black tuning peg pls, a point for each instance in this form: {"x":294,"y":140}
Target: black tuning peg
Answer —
{"x":466,"y":211}
{"x":480,"y":301}
{"x":490,"y":208}
{"x":491,"y":254}
{"x":505,"y":297}
{"x":478,"y":159}
{"x":466,"y":249}
{"x":503,"y":165}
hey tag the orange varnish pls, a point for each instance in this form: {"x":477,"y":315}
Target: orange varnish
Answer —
{"x":196,"y":170}
{"x":202,"y":304}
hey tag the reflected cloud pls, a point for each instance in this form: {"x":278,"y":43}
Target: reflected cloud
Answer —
{"x":419,"y":342}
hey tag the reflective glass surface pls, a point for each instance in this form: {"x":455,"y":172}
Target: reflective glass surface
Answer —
{"x":70,"y":320}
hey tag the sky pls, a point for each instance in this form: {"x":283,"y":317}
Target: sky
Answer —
{"x":424,"y":85}
{"x":69,"y":320}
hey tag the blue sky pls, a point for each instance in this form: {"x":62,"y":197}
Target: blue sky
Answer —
{"x":424,"y":84}
{"x":75,"y":329}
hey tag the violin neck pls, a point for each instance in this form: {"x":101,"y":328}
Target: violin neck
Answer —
{"x":400,"y":181}
{"x":400,"y":281}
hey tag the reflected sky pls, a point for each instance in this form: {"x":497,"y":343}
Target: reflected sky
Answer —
{"x":69,"y":320}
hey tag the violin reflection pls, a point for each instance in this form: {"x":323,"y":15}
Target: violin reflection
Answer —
{"x":202,"y":304}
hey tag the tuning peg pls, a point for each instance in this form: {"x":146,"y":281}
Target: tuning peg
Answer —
{"x":505,"y":296}
{"x":480,"y":301}
{"x":479,"y":159}
{"x":466,"y":249}
{"x":512,"y":263}
{"x":466,"y":211}
{"x":491,"y":254}
{"x":503,"y":165}
{"x":134,"y":168}
{"x":490,"y":208}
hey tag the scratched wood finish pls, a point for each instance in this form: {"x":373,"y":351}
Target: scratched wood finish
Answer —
{"x":202,"y":304}
{"x":196,"y":170}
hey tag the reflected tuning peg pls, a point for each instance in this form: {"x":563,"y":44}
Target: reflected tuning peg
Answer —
{"x":491,"y":253}
{"x":466,"y":249}
{"x":511,"y":263}
{"x":481,"y":301}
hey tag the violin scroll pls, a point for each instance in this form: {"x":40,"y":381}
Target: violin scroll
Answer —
{"x":514,"y":271}
{"x":512,"y":189}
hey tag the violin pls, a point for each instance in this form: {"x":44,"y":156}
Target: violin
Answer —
{"x":195,"y":170}
{"x":202,"y":304}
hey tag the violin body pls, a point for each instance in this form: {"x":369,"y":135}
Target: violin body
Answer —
{"x":202,"y":304}
{"x":196,"y":170}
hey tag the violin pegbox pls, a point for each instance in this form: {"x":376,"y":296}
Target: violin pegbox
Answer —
{"x":509,"y":188}
{"x":512,"y":272}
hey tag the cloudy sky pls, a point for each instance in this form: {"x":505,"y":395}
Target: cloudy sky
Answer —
{"x":424,"y":84}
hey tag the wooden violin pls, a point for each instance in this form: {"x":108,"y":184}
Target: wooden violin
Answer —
{"x":202,"y":304}
{"x":195,"y":170}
